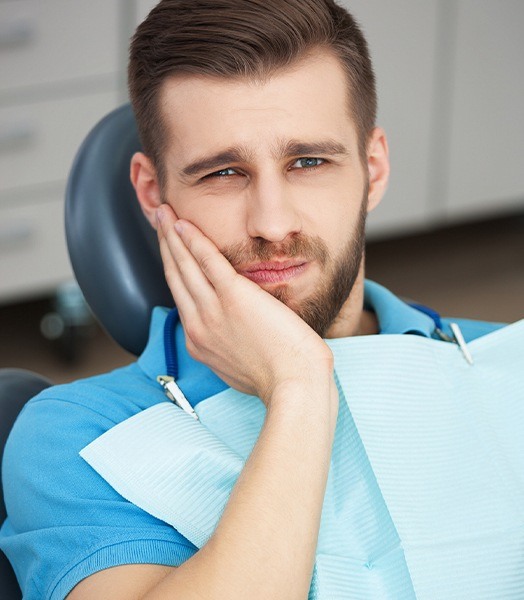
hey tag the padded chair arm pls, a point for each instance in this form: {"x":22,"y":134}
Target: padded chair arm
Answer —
{"x":17,"y":386}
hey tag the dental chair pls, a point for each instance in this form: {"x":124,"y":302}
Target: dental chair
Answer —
{"x":17,"y":386}
{"x":115,"y":257}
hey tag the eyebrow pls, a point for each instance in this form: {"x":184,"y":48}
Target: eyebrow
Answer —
{"x":298,"y":148}
{"x":240,"y":154}
{"x":235,"y":154}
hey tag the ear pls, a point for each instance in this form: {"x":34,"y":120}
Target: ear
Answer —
{"x":145,"y":181}
{"x":378,"y":166}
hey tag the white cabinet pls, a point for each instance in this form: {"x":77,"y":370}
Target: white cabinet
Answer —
{"x":48,"y":42}
{"x":402,"y":41}
{"x":486,"y":122}
{"x":32,"y":246}
{"x":60,"y":72}
{"x":451,"y":88}
{"x":43,"y":137}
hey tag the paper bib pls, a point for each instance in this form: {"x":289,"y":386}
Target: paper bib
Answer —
{"x":425,"y":495}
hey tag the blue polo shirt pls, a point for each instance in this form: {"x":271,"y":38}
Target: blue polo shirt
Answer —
{"x":64,"y":521}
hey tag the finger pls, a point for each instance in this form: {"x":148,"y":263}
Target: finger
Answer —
{"x":212,"y":263}
{"x":163,"y":213}
{"x":194,"y":279}
{"x":183,"y":299}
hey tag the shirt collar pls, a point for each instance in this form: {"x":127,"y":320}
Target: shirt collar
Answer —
{"x":393,"y":314}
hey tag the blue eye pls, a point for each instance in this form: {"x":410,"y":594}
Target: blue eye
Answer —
{"x":223,"y":173}
{"x":307,"y":162}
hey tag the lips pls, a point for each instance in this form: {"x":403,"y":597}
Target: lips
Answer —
{"x":273,"y":271}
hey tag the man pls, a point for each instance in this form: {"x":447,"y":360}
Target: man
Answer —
{"x":261,"y":161}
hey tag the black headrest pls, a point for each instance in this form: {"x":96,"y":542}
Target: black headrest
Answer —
{"x":113,"y":249}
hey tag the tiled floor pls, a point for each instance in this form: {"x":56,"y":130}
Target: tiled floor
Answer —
{"x":475,"y":271}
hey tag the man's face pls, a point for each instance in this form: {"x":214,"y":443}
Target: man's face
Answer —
{"x":271,"y":173}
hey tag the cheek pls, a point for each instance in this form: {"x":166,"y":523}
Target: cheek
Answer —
{"x":215,"y":219}
{"x":335,"y":219}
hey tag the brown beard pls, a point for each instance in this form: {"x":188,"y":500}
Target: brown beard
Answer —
{"x":322,"y":307}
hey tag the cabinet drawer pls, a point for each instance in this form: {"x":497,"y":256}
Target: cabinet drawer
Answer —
{"x":38,"y":141}
{"x":48,"y":41}
{"x":33,"y":254}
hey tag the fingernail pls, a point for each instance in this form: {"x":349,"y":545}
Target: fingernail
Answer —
{"x":179,"y":227}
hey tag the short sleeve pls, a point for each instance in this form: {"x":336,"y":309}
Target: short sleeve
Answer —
{"x":64,"y":521}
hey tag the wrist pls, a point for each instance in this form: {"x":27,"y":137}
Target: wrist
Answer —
{"x":315,"y":399}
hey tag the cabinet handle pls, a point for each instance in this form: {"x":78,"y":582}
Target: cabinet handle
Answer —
{"x":17,"y":135}
{"x":18,"y":32}
{"x":15,"y":233}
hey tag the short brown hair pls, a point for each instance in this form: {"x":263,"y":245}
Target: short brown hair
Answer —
{"x":243,"y":39}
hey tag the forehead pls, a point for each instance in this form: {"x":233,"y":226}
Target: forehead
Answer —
{"x":308,"y":101}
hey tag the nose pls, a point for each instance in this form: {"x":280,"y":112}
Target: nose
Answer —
{"x":271,"y":211}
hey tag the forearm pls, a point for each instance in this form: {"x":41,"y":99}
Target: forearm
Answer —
{"x":264,"y":545}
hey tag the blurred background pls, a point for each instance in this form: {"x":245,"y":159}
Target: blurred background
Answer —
{"x":450,"y":232}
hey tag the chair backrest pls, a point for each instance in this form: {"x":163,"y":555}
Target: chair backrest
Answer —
{"x":16,"y":387}
{"x":113,"y":248}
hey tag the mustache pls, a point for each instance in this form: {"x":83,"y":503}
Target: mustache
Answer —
{"x":259,"y":249}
